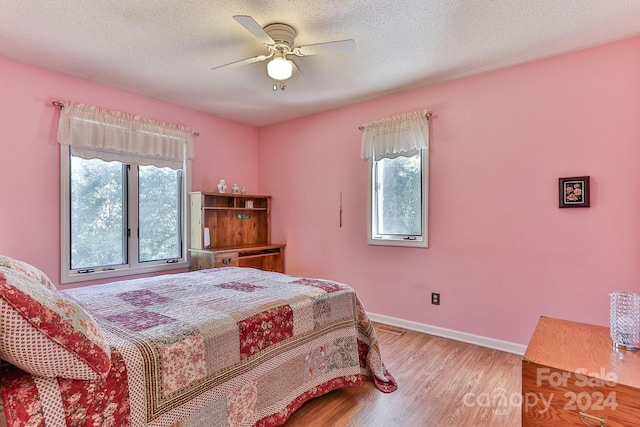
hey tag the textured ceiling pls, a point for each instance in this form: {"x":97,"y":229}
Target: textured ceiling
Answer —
{"x":165,"y":49}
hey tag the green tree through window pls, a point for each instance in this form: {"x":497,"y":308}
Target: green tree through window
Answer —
{"x":100,"y":193}
{"x":98,"y":225}
{"x":159,"y":213}
{"x":400,"y":196}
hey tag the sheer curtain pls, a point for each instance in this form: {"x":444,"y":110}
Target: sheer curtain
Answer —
{"x":401,"y":135}
{"x":94,"y":132}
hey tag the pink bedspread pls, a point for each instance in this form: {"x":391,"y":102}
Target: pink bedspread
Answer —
{"x":228,"y":347}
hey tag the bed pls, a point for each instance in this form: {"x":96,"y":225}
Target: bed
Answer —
{"x":222,"y":347}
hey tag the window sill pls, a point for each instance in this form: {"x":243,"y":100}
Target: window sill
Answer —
{"x":399,"y":243}
{"x":121,"y":272}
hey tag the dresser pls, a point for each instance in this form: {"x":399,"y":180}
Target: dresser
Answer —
{"x":571,"y":376}
{"x":263,"y":257}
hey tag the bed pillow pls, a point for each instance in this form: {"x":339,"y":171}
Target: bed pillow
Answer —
{"x":46,"y":334}
{"x":26,"y":269}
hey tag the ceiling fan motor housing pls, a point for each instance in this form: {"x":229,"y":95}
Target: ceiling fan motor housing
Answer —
{"x":282,"y":34}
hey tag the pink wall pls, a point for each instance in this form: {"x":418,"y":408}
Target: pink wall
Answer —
{"x":29,"y":163}
{"x":501,"y":251}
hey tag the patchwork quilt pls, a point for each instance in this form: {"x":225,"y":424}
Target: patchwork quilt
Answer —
{"x":223,"y":347}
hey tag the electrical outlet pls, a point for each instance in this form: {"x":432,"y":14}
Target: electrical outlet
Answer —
{"x":435,"y":298}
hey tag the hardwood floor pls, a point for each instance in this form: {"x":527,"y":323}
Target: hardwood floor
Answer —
{"x":441,"y":382}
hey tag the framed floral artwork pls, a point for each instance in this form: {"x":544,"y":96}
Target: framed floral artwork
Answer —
{"x":574,"y":192}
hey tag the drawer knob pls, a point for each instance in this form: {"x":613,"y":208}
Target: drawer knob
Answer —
{"x":226,"y":260}
{"x":585,"y":416}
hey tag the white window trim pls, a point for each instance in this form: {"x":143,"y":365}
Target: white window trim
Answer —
{"x":72,"y":276}
{"x":419,"y":242}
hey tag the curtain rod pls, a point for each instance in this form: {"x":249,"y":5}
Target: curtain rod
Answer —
{"x":363,"y":127}
{"x":61,"y":105}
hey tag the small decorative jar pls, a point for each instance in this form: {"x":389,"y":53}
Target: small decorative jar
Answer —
{"x":222,"y":186}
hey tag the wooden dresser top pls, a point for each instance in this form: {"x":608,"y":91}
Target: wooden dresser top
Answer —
{"x":572,"y":346}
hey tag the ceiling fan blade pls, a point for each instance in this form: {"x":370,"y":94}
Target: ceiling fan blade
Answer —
{"x":254,"y":28}
{"x":328,"y":47}
{"x":295,"y":64}
{"x":246,"y":61}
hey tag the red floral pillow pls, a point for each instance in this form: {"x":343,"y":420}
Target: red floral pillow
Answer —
{"x":26,"y":269}
{"x":46,"y":334}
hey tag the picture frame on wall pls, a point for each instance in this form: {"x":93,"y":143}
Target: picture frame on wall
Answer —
{"x":574,"y":192}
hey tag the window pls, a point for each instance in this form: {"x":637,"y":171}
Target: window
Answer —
{"x":398,"y":201}
{"x":398,"y":153}
{"x":98,"y":219}
{"x":123,"y":212}
{"x":159,"y":213}
{"x":101,"y":223}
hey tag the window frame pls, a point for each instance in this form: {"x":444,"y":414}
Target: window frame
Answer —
{"x":133,"y":266}
{"x":372,"y":210}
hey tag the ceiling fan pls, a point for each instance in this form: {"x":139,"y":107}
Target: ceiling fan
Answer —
{"x":279,"y":40}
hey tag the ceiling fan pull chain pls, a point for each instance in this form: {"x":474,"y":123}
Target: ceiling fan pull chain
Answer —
{"x":283,"y":84}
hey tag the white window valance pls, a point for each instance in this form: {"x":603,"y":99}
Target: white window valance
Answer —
{"x":94,"y":132}
{"x":402,"y":135}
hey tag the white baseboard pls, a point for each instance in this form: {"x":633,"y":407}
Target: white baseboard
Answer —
{"x":493,"y":343}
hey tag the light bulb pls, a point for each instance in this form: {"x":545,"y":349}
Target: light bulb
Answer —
{"x":279,"y":68}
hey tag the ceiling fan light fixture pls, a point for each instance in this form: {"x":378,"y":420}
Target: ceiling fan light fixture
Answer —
{"x":279,"y":68}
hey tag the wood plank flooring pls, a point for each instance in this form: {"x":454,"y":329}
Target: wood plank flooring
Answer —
{"x":441,"y":382}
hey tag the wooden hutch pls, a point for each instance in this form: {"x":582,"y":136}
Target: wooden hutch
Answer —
{"x":239,"y":232}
